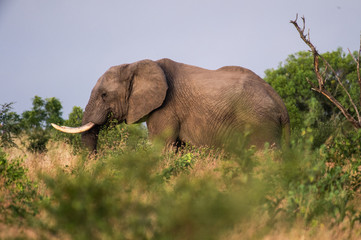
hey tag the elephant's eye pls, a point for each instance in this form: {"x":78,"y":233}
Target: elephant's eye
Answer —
{"x":104,"y":95}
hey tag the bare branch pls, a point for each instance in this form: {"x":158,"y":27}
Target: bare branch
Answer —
{"x":343,"y":87}
{"x":325,"y":72}
{"x":313,"y":49}
{"x":321,"y":81}
{"x":313,"y":87}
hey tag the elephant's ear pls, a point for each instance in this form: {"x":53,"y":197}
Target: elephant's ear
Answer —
{"x":148,"y":89}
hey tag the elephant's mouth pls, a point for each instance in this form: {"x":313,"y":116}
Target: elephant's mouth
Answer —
{"x":84,"y":128}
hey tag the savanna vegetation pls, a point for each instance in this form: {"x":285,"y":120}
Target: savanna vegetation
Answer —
{"x":50,"y":188}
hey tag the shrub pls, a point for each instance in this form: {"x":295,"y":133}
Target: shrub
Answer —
{"x":309,"y":188}
{"x":18,"y":195}
{"x":36,"y":122}
{"x":9,"y":125}
{"x":37,"y":140}
{"x":116,"y":135}
{"x":106,"y":200}
{"x":178,"y":165}
{"x":345,"y":145}
{"x":123,"y":196}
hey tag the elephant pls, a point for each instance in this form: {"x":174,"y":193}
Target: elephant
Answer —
{"x":190,"y":104}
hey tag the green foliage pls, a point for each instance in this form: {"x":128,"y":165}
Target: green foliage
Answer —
{"x":43,"y":113}
{"x":34,"y":118}
{"x":82,"y":205}
{"x":345,"y":146}
{"x":37,"y":140}
{"x":290,"y":81}
{"x":9,"y":125}
{"x":53,"y":112}
{"x":106,"y":201}
{"x":18,"y":195}
{"x":239,"y":163}
{"x":123,"y":196}
{"x":116,"y":135}
{"x":308,"y":184}
{"x":199,"y":210}
{"x":36,"y":122}
{"x":178,"y":165}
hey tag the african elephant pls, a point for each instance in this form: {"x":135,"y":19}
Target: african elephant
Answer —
{"x":191,"y":104}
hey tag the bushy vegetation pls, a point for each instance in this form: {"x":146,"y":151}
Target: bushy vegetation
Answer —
{"x":9,"y":125}
{"x":18,"y":195}
{"x":308,"y":108}
{"x":136,"y":190}
{"x":32,"y":128}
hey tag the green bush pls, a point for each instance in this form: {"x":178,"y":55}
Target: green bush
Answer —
{"x":42,"y":113}
{"x":309,"y":187}
{"x":114,"y":135}
{"x":123,"y":196}
{"x":104,"y":201}
{"x":9,"y":125}
{"x":37,"y":140}
{"x":345,"y":145}
{"x":290,"y":82}
{"x":35,"y":123}
{"x":178,"y":165}
{"x":18,"y":195}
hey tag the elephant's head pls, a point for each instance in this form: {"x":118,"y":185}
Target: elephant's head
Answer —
{"x":127,"y":93}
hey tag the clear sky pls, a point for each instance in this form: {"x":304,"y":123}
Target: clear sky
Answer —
{"x":60,"y":48}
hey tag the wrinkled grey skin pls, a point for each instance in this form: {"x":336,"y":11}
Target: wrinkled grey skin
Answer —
{"x":187,"y":103}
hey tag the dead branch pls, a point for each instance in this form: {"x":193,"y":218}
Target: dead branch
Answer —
{"x":321,"y":80}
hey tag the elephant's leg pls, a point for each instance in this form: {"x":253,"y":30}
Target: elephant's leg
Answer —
{"x":164,"y":127}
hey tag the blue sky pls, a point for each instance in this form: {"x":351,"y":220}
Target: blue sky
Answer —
{"x":60,"y":48}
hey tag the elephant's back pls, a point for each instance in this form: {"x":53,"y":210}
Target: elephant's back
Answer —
{"x":254,"y":104}
{"x":229,"y":86}
{"x":222,"y":102}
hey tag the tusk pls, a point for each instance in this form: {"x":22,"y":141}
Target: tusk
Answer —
{"x":81,"y":129}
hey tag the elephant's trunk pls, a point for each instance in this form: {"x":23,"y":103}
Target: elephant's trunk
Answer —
{"x":90,"y":138}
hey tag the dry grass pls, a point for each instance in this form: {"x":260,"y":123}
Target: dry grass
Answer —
{"x":59,"y":156}
{"x":298,"y":231}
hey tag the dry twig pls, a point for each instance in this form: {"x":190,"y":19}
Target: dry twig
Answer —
{"x":321,"y":80}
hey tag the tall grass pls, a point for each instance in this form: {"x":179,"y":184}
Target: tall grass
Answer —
{"x":136,"y":190}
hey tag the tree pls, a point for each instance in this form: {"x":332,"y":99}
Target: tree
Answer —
{"x":36,"y":122}
{"x":53,"y":112}
{"x":9,"y":125}
{"x":308,"y":107}
{"x":327,"y":73}
{"x":42,"y":114}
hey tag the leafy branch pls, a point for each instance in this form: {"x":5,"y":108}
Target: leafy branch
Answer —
{"x":9,"y":125}
{"x":321,"y":88}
